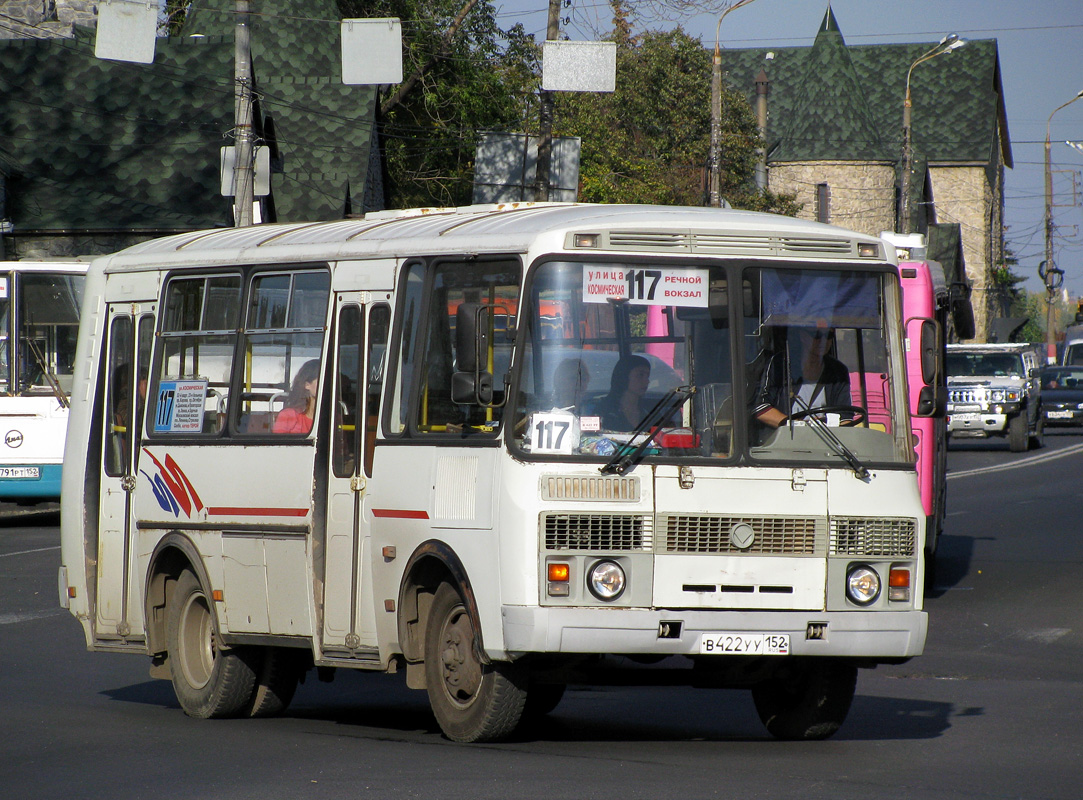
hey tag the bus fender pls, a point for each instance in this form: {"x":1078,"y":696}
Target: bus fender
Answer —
{"x":173,"y":554}
{"x":432,"y":563}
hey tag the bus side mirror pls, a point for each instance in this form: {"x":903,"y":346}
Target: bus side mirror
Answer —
{"x":930,"y":351}
{"x":932,"y":401}
{"x":472,"y":384}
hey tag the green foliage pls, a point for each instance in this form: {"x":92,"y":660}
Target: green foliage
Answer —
{"x":481,"y":79}
{"x":648,"y":142}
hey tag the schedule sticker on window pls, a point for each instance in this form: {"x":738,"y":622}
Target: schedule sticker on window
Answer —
{"x":180,"y":406}
{"x":646,"y":286}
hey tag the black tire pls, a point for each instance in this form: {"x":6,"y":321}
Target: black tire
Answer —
{"x":210,"y":680}
{"x":1037,"y":441}
{"x":472,"y":701}
{"x":276,"y":682}
{"x":1017,"y":432}
{"x":806,"y":700}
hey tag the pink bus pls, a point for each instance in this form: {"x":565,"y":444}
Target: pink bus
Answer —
{"x":931,"y":308}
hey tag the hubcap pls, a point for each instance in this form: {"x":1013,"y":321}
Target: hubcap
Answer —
{"x":461,"y":670}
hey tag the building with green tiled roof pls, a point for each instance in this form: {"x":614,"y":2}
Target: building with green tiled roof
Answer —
{"x":96,"y":155}
{"x":834,"y":138}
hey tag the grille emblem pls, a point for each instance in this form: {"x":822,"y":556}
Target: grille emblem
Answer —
{"x":742,"y":535}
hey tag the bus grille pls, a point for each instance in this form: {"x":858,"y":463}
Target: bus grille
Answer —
{"x":861,"y":536}
{"x":620,"y":532}
{"x":773,"y":535}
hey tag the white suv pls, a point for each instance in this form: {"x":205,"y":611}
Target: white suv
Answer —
{"x":993,"y":391}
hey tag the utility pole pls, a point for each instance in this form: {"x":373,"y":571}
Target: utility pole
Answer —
{"x":714,"y":157}
{"x":1047,"y":270}
{"x":545,"y":118}
{"x":243,"y":173}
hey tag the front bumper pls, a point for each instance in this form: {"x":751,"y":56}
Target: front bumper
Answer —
{"x":977,"y":423}
{"x":866,"y":634}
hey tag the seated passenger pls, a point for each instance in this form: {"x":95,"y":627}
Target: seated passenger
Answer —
{"x":625,"y":406}
{"x":817,"y":379}
{"x":570,"y":381}
{"x":299,"y":410}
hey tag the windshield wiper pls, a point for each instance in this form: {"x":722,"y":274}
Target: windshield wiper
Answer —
{"x":833,"y":442}
{"x":47,"y":372}
{"x":622,"y":462}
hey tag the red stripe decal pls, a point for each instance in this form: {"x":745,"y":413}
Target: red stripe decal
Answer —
{"x":225,"y":511}
{"x":398,"y":513}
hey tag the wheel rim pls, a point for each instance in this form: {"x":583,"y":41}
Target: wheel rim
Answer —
{"x":460,"y":669}
{"x":196,"y":641}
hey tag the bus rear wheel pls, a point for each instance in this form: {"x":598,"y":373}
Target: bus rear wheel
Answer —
{"x":472,"y":701}
{"x":806,"y":700}
{"x":279,"y":670}
{"x":210,"y":680}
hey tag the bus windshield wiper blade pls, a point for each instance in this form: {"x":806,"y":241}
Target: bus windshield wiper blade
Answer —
{"x":47,"y":372}
{"x":622,"y":462}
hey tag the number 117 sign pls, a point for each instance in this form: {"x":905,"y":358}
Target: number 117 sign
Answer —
{"x":645,"y":286}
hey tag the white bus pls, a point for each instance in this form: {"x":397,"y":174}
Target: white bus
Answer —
{"x":39,"y":328}
{"x":356,"y":451}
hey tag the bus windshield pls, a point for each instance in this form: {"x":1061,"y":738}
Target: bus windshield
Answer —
{"x":38,"y":355}
{"x":772,"y":364}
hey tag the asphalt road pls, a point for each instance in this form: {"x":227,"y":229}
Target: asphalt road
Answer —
{"x":992,"y":710}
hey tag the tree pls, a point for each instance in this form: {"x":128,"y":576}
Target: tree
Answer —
{"x":648,"y":141}
{"x":462,"y":75}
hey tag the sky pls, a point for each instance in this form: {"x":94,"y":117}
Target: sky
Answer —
{"x":1041,"y":63}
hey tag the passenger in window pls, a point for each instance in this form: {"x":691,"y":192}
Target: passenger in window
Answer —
{"x":570,"y":381}
{"x":625,"y":405}
{"x":817,"y":379}
{"x":299,"y":410}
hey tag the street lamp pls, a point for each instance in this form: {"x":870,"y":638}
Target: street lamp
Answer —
{"x":946,"y":45}
{"x":714,"y":158}
{"x":1050,"y":338}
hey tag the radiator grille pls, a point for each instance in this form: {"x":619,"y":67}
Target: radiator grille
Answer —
{"x":863,"y":536}
{"x":773,"y":535}
{"x":966,"y":395}
{"x":620,"y":532}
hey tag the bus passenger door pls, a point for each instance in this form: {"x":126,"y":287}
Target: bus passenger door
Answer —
{"x":349,"y":616}
{"x":119,"y":610}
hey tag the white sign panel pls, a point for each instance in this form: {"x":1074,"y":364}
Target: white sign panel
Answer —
{"x":371,"y":51}
{"x":180,"y":406}
{"x":579,"y":66}
{"x":645,"y":286}
{"x":261,"y":171}
{"x":126,"y":31}
{"x":553,"y":432}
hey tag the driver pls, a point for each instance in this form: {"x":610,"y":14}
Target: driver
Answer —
{"x":816,"y":380}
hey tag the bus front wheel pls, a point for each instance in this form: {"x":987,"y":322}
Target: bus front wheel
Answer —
{"x":806,"y":700}
{"x":210,"y":680}
{"x":472,"y":701}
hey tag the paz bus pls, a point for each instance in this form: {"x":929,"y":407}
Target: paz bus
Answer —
{"x":39,"y":326}
{"x":447,"y":514}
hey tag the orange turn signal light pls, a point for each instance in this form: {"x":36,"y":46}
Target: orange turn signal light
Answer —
{"x":558,"y":572}
{"x":899,"y":577}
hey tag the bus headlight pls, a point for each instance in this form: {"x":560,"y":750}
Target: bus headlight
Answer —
{"x":862,"y":584}
{"x":606,"y":580}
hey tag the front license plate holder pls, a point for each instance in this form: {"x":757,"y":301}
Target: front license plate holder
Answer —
{"x":744,"y":644}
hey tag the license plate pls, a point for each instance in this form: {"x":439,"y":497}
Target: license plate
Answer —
{"x":1059,"y":414}
{"x":20,"y":472}
{"x":745,"y":644}
{"x":965,"y":417}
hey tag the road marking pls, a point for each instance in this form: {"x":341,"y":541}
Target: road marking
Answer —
{"x":1023,"y":462}
{"x":11,"y":619}
{"x":28,"y":552}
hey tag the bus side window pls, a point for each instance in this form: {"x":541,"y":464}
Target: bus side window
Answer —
{"x":200,"y":320}
{"x":282,"y":351}
{"x":118,"y":423}
{"x":346,"y":431}
{"x":379,"y":328}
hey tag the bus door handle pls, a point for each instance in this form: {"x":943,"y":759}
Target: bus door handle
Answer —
{"x":127,"y":483}
{"x":357,"y":483}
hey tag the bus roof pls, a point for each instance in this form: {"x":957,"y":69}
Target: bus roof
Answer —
{"x":673,"y":230}
{"x":77,"y":265}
